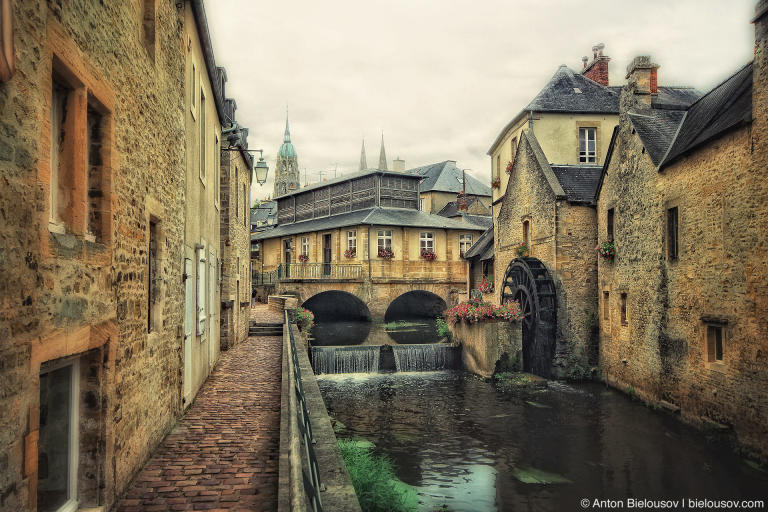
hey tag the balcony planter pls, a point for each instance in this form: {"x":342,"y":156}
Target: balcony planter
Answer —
{"x":386,"y":254}
{"x":350,"y":254}
{"x":607,"y":250}
{"x":521,"y":249}
{"x":303,"y":258}
{"x":485,"y":287}
{"x":428,"y":255}
{"x":496,"y":182}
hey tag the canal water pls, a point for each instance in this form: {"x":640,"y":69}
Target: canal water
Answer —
{"x":466,"y":444}
{"x":355,"y":332}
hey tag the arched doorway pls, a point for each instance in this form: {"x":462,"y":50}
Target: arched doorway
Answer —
{"x":340,"y":318}
{"x":527,"y":281}
{"x":418,"y":309}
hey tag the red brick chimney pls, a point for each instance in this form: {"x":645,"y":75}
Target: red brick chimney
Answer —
{"x":597,"y":70}
{"x":461,"y":202}
{"x":641,"y":74}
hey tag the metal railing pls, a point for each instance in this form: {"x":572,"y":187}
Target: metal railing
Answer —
{"x":303,"y":469}
{"x":313,"y":271}
{"x":270,"y":277}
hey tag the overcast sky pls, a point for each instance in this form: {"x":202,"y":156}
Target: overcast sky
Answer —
{"x":441,"y":78}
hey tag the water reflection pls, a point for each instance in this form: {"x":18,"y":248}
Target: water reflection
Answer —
{"x":345,"y":332}
{"x":467,"y":445}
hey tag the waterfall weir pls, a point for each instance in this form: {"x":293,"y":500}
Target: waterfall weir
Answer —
{"x":427,"y":357}
{"x":345,"y":359}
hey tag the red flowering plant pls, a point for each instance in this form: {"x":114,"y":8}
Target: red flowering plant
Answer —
{"x":386,"y":254}
{"x":485,"y":286}
{"x":606,"y":249}
{"x":428,"y":254}
{"x":496,"y":182}
{"x":473,"y":312}
{"x":521,"y":249}
{"x":509,"y":168}
{"x":305,"y":319}
{"x":303,"y":258}
{"x":350,"y":253}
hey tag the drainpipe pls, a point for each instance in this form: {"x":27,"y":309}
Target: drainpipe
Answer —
{"x":554,"y":241}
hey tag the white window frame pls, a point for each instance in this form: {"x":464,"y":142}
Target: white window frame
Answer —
{"x":465,"y":242}
{"x":202,"y":170}
{"x":352,"y":240}
{"x":421,"y":204}
{"x":427,"y":241}
{"x":587,"y":134}
{"x":202,"y":297}
{"x":305,"y":246}
{"x":383,"y":240}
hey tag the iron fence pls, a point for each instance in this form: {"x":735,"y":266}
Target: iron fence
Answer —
{"x":310,"y":470}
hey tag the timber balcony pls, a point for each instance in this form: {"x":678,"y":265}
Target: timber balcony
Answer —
{"x":310,"y":271}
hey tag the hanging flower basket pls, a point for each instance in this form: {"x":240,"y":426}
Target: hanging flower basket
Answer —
{"x":607,"y":250}
{"x":496,"y":182}
{"x":428,"y":255}
{"x":509,"y":168}
{"x":521,"y":249}
{"x":485,"y":286}
{"x":386,"y":254}
{"x":350,"y":253}
{"x":303,"y":258}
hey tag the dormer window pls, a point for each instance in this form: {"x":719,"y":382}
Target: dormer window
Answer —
{"x":588,"y":145}
{"x":577,"y":90}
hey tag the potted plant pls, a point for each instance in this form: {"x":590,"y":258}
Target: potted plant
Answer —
{"x":521,"y":249}
{"x":496,"y":182}
{"x":350,"y":253}
{"x":607,"y":250}
{"x":428,"y":254}
{"x":303,"y":258}
{"x":509,"y":168}
{"x":485,"y":286}
{"x":386,"y":254}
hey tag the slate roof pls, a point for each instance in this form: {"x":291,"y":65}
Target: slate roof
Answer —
{"x":657,"y":129}
{"x":451,"y":208}
{"x":340,"y":179}
{"x":568,"y":91}
{"x":480,"y":248}
{"x":446,"y":177}
{"x":370,"y":216}
{"x":261,"y":214}
{"x":579,"y":182}
{"x":724,"y":107}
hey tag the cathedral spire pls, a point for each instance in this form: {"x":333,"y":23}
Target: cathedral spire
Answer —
{"x":363,"y":163}
{"x":382,"y":155}
{"x":287,"y":136}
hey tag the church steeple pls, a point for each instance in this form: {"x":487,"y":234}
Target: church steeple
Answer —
{"x":287,"y":177}
{"x":382,"y":155}
{"x":363,"y":163}
{"x":287,"y":136}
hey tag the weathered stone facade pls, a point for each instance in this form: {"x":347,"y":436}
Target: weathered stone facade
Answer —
{"x":561,"y":234}
{"x":74,"y":264}
{"x":693,"y":331}
{"x":235,"y":246}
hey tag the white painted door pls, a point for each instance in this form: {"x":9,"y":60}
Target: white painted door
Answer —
{"x":189,"y":318}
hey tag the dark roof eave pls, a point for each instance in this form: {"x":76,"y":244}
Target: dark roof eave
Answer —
{"x":607,"y":162}
{"x":666,"y":163}
{"x":201,"y":23}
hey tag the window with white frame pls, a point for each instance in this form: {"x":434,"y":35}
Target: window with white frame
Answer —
{"x":305,"y":246}
{"x":352,"y":241}
{"x":427,"y":241}
{"x":202,"y":137}
{"x":421,"y":204}
{"x":588,"y":145}
{"x":384,"y":240}
{"x":465,"y":242}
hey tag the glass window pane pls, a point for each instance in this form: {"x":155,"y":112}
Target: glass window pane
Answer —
{"x":53,"y":453}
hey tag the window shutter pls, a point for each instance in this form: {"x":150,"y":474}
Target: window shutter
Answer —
{"x":201,"y":296}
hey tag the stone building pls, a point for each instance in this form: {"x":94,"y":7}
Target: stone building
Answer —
{"x":684,"y":198}
{"x":236,"y":177}
{"x":95,"y":163}
{"x":287,"y":176}
{"x":363,"y":233}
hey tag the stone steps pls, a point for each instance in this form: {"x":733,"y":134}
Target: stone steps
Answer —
{"x":265,"y":329}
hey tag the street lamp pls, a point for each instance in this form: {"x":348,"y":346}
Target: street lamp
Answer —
{"x":261,"y":168}
{"x":234,"y":136}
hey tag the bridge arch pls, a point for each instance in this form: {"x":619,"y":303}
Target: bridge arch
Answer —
{"x":337,"y":305}
{"x":415,"y":304}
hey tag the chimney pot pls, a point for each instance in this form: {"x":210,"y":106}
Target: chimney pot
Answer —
{"x":584,"y":59}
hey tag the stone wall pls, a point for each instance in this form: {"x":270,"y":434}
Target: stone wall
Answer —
{"x":562,"y":236}
{"x":719,"y":278}
{"x":69,"y":290}
{"x":486,"y":345}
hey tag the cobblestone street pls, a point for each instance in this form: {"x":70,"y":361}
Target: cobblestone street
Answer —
{"x":223,"y":455}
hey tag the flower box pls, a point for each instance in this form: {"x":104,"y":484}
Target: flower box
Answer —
{"x":303,"y":258}
{"x":428,"y":255}
{"x":350,"y":253}
{"x":521,"y":249}
{"x":496,"y":182}
{"x":386,"y":254}
{"x":607,"y":250}
{"x":509,"y":168}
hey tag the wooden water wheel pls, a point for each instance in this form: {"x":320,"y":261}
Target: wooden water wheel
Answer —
{"x":527,"y":281}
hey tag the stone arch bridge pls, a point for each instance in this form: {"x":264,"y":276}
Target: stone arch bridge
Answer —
{"x":381,"y":295}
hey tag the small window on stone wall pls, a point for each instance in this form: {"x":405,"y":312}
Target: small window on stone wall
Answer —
{"x":606,"y":306}
{"x":715,"y":343}
{"x":672,"y":234}
{"x":148,"y":16}
{"x":624,"y":319}
{"x":527,"y":233}
{"x":609,"y":224}
{"x":96,"y":204}
{"x":154,"y":275}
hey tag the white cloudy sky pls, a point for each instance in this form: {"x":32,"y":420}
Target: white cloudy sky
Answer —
{"x":442,"y":77}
